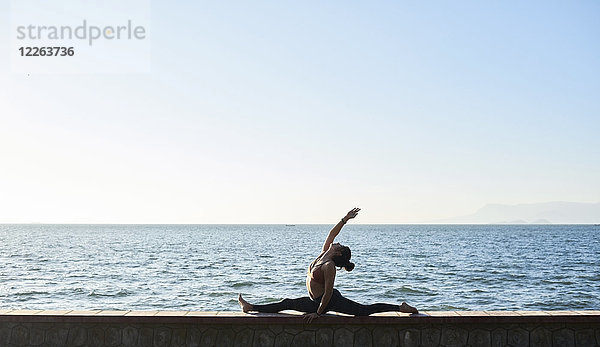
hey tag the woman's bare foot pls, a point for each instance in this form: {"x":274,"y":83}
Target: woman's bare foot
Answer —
{"x":406,"y":308}
{"x":244,"y":304}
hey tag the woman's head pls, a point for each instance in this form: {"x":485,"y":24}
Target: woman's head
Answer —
{"x":342,"y":257}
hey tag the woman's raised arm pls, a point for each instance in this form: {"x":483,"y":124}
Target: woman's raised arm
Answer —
{"x":338,"y":227}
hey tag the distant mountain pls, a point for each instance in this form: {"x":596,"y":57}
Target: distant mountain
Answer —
{"x":558,"y":212}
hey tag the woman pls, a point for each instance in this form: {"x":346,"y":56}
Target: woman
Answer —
{"x":319,"y":282}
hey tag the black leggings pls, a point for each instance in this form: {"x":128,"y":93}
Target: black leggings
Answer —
{"x":337,"y":303}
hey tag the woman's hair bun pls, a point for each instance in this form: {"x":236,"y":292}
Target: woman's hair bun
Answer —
{"x":349,"y":266}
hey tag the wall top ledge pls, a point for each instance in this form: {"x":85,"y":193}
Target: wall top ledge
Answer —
{"x":292,"y":317}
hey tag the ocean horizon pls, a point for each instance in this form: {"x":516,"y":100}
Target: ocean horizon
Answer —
{"x":204,"y":266}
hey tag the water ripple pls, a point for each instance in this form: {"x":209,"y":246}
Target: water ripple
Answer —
{"x":203,"y":267}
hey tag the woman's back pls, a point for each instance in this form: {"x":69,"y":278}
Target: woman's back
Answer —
{"x":315,"y":278}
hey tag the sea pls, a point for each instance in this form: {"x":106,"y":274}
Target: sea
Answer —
{"x":204,"y":267}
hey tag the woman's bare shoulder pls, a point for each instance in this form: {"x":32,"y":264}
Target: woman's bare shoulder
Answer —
{"x":318,"y":257}
{"x":329,"y":264}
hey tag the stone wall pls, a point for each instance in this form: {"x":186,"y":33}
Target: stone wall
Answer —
{"x":154,"y":328}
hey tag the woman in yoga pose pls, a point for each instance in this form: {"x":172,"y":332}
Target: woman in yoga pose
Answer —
{"x":319,"y":282}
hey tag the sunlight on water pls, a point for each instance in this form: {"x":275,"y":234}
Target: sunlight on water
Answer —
{"x":203,"y":267}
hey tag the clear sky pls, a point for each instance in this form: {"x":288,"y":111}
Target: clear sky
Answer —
{"x":295,"y":112}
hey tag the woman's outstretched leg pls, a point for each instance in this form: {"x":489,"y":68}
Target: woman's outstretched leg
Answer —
{"x":304,"y":304}
{"x":341,"y":304}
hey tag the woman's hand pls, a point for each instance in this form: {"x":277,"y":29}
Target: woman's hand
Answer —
{"x":310,"y":316}
{"x":352,"y":213}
